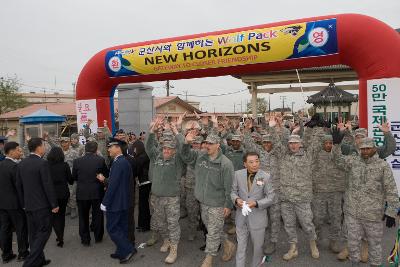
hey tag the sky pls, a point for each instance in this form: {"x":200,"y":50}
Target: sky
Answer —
{"x":46,"y":43}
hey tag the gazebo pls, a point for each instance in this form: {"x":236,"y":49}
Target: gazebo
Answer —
{"x":333,"y":102}
{"x":41,"y":121}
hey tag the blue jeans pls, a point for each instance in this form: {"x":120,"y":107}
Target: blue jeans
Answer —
{"x":117,"y":228}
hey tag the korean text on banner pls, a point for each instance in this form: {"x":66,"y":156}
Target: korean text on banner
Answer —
{"x":262,"y":45}
{"x":383,"y":105}
{"x":85,"y":110}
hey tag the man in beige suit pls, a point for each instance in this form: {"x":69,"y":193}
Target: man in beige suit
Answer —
{"x":252,"y":193}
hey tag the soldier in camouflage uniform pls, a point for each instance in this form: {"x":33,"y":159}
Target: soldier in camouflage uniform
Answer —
{"x":269,"y":162}
{"x":328,"y":189}
{"x":70,"y":154}
{"x":350,"y":146}
{"x":192,"y":205}
{"x":296,"y":195}
{"x":214,"y":175}
{"x":76,"y":145}
{"x":103,"y":134}
{"x":165,"y":189}
{"x":371,"y":183}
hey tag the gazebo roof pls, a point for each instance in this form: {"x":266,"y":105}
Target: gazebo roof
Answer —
{"x":332,"y":94}
{"x":42,"y":116}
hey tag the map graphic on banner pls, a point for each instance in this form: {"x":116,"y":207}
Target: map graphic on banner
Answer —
{"x":383,"y":105}
{"x":300,"y":40}
{"x":85,"y":110}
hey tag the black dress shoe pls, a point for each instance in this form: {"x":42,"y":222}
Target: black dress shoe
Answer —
{"x":22,"y":256}
{"x":98,"y":241}
{"x":128,"y":258}
{"x":114,"y":256}
{"x":202,"y":248}
{"x":60,"y":244}
{"x":8,"y":258}
{"x":46,"y":262}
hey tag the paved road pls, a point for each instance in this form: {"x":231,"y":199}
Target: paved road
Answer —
{"x":74,"y":254}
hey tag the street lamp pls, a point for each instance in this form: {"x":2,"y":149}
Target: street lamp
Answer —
{"x":330,"y":99}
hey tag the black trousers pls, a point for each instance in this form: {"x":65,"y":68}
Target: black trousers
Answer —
{"x":39,"y":226}
{"x":144,"y":208}
{"x":59,"y":219}
{"x":131,"y":225}
{"x":97,"y":220}
{"x":9,"y":220}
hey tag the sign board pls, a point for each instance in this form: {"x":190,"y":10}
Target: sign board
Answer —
{"x":85,"y":110}
{"x":384,"y":105}
{"x":262,"y":45}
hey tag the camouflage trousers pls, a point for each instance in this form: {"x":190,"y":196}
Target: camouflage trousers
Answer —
{"x":274,"y":219}
{"x":213,"y":219}
{"x":373,"y":231}
{"x":72,"y":196}
{"x":302,"y":211}
{"x":328,"y":205}
{"x":165,"y":219}
{"x":193,"y":208}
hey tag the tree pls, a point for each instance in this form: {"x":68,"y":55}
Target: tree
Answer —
{"x":262,"y":106}
{"x":10,"y":99}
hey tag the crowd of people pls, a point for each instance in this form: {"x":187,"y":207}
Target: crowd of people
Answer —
{"x":233,"y":181}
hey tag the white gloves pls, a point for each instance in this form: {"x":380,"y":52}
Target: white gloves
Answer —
{"x":102,"y":207}
{"x":245,"y":209}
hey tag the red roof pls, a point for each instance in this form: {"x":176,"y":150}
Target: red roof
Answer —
{"x":67,"y":109}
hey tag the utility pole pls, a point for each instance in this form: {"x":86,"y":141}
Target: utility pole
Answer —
{"x":167,"y":87}
{"x":74,"y":89}
{"x":292,"y":107}
{"x":234,"y":108}
{"x":283,"y":102}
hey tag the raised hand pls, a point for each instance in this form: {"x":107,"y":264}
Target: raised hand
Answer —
{"x":190,"y":136}
{"x":272,"y":121}
{"x":105,"y":123}
{"x":248,"y":124}
{"x":384,"y":127}
{"x":180,"y":119}
{"x":174,"y":128}
{"x":214,"y":120}
{"x":197,"y":115}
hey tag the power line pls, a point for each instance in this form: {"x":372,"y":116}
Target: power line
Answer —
{"x":214,"y":95}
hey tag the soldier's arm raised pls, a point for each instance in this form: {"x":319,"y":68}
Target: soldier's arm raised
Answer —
{"x":188,"y":155}
{"x":389,"y":144}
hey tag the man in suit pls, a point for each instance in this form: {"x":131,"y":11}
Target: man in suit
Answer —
{"x":36,"y":193}
{"x":89,"y":192}
{"x":11,"y":213}
{"x":117,"y":202}
{"x":251,"y":189}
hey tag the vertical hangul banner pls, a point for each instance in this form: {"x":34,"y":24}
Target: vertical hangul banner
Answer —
{"x":86,"y":110}
{"x":383,"y":105}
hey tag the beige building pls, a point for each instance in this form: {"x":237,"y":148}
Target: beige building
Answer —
{"x":39,"y":98}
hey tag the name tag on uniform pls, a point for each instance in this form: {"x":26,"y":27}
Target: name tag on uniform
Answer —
{"x":260,"y":182}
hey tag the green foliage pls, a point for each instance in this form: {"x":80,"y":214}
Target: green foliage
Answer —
{"x":262,"y":106}
{"x":10,"y":99}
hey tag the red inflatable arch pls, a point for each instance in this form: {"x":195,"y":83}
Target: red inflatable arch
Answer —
{"x":366,"y":44}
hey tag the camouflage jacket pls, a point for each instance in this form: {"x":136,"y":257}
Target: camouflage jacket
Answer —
{"x":79,"y":148}
{"x":236,"y":156}
{"x":190,"y":178}
{"x":327,"y":177}
{"x":370,"y":184}
{"x":70,"y":155}
{"x":166,"y":174}
{"x":296,"y":177}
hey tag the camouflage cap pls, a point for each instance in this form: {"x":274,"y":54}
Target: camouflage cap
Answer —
{"x":91,"y":139}
{"x":169,"y":144}
{"x":236,"y":137}
{"x":367,"y":142}
{"x":361,"y":131}
{"x":229,"y":136}
{"x":198,"y":139}
{"x":327,"y":137}
{"x":74,"y":136}
{"x":267,"y":138}
{"x":65,"y":139}
{"x":213,"y":139}
{"x":255,"y":135}
{"x":294,"y":138}
{"x":100,"y":130}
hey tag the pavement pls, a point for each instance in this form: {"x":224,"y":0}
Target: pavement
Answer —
{"x":74,"y":254}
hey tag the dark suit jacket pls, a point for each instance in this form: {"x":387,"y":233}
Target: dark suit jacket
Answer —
{"x":119,"y":191}
{"x":84,"y":171}
{"x":143,"y":163}
{"x":34,"y":185}
{"x":8,"y":190}
{"x":61,"y":175}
